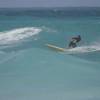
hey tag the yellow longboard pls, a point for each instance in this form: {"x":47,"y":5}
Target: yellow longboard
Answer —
{"x":56,"y":47}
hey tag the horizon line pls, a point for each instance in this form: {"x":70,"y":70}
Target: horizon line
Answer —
{"x":58,"y":7}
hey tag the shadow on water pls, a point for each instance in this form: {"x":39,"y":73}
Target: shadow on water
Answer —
{"x":91,"y":56}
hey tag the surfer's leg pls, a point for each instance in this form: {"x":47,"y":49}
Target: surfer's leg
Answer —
{"x":70,"y":44}
{"x":74,"y":45}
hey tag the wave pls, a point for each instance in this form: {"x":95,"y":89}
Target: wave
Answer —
{"x":13,"y":36}
{"x":47,"y":29}
{"x":83,"y":49}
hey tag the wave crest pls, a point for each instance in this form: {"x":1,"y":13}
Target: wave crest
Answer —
{"x":12,"y":36}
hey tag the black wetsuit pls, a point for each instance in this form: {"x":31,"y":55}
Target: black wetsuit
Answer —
{"x":74,"y":41}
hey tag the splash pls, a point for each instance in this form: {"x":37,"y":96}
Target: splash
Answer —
{"x":15,"y":35}
{"x":84,"y":49}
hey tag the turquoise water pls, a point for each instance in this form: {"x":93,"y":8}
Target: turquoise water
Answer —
{"x":31,"y":71}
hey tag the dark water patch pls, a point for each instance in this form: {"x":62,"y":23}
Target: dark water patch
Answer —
{"x":52,"y":12}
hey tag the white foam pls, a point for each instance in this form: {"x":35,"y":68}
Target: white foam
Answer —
{"x":84,"y":49}
{"x":15,"y":35}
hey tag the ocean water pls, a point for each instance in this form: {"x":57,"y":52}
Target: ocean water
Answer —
{"x":31,"y":71}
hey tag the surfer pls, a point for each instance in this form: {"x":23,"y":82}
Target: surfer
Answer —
{"x":74,"y":41}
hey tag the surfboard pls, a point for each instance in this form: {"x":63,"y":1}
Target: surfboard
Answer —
{"x":54,"y":47}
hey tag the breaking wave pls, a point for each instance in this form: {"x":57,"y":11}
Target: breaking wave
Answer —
{"x":84,"y":49}
{"x":13,"y":36}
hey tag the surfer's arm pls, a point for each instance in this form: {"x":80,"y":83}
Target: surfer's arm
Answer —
{"x":74,"y":38}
